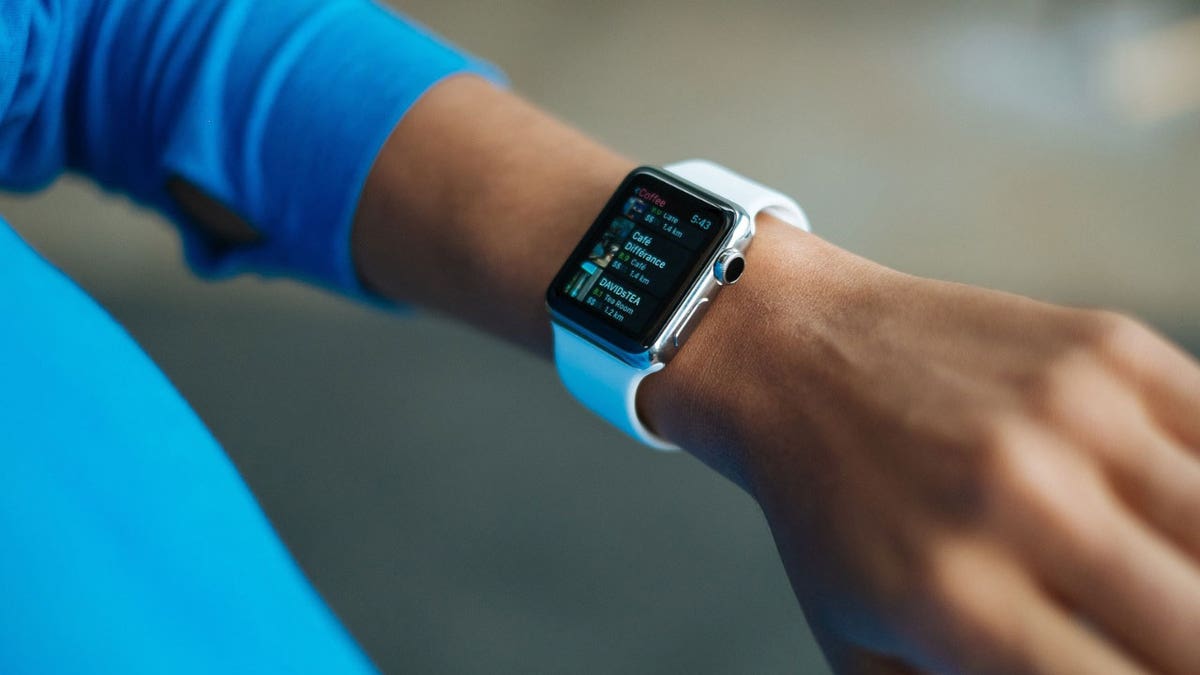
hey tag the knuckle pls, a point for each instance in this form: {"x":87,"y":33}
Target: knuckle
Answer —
{"x":944,"y":582}
{"x":1111,"y":335}
{"x":954,"y":610}
{"x":1025,"y":477}
{"x":929,"y":582}
{"x":1055,"y":497}
{"x":1062,"y":388}
{"x":1004,"y":445}
{"x":933,"y":587}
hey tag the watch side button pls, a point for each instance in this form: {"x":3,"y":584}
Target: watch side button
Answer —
{"x":690,"y":323}
{"x":729,"y":266}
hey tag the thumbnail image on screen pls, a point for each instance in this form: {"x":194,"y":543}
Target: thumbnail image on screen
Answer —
{"x":639,"y":254}
{"x":598,"y":259}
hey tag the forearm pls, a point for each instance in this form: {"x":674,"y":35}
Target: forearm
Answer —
{"x":905,"y":437}
{"x":477,"y":199}
{"x":473,"y":204}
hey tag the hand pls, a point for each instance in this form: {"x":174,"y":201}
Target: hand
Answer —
{"x":958,"y":480}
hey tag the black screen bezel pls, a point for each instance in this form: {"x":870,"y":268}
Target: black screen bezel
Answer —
{"x":574,"y":312}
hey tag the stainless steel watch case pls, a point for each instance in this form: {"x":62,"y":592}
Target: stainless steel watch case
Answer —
{"x":702,"y":291}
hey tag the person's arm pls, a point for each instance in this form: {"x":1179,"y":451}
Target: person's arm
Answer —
{"x":906,"y":438}
{"x":959,"y":480}
{"x":245,"y":122}
{"x":130,"y":543}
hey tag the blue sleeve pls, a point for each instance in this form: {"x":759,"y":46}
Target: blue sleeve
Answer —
{"x":274,"y":108}
{"x":128,"y":542}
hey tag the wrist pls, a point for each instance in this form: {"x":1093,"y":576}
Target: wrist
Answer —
{"x":469,"y":194}
{"x":777,"y":330}
{"x":458,"y":201}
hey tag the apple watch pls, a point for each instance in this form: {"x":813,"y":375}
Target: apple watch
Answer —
{"x":644,"y":274}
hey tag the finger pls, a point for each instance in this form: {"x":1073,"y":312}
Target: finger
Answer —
{"x":1047,"y":639}
{"x":1154,"y":475}
{"x":1010,"y":626}
{"x":1002,"y":623}
{"x":1160,"y":481}
{"x":1169,"y":378}
{"x":1129,"y":583}
{"x":1174,"y":399}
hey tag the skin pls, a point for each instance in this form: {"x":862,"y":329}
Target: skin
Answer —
{"x":958,"y":480}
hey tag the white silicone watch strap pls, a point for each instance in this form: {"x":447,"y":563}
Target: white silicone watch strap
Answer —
{"x":604,"y":384}
{"x":607,"y":385}
{"x":751,"y":196}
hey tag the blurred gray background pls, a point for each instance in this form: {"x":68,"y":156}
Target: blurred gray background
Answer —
{"x":459,"y":512}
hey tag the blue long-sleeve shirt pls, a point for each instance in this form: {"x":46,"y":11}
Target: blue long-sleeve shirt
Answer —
{"x":128,"y":543}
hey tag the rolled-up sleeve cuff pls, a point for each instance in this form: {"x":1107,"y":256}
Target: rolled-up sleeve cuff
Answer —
{"x":305,"y":112}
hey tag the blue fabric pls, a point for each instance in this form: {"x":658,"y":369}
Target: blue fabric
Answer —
{"x":128,"y":543}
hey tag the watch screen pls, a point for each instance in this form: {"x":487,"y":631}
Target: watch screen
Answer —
{"x":635,"y":263}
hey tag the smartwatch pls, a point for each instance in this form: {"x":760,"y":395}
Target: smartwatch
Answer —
{"x":642,"y":277}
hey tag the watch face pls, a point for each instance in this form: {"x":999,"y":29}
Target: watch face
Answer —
{"x":633,"y":267}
